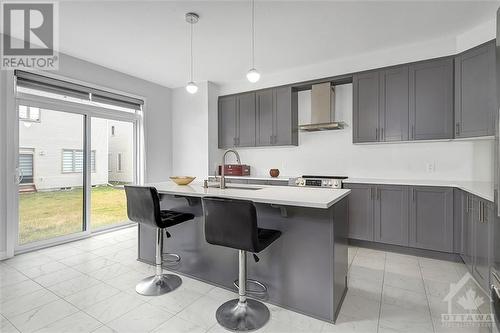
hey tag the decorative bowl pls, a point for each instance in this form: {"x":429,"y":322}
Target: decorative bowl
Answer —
{"x":182,"y":180}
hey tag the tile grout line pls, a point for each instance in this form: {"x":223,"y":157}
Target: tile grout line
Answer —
{"x":427,"y":298}
{"x":381,"y":293}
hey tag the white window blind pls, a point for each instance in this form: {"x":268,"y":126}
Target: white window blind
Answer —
{"x":72,"y":161}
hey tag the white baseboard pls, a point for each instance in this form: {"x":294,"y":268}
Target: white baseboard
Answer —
{"x":3,"y":255}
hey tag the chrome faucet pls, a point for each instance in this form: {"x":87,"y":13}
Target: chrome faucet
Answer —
{"x":222,"y":179}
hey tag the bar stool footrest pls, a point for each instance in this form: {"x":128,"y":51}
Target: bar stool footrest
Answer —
{"x":259,"y":289}
{"x":171,"y":259}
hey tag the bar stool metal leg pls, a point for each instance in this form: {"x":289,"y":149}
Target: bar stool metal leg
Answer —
{"x":159,"y":283}
{"x":242,"y":314}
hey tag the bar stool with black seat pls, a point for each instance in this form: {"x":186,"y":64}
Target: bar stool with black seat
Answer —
{"x":233,"y":223}
{"x":143,"y":206}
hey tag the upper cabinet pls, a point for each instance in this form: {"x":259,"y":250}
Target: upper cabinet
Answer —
{"x":407,"y":102}
{"x":431,"y":100}
{"x":263,"y":118}
{"x":380,"y":105}
{"x":366,"y":107}
{"x":475,"y":98}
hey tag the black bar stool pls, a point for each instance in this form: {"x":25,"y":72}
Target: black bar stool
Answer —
{"x":233,"y":223}
{"x":143,"y":206}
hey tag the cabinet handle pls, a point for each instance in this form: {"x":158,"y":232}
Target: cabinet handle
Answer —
{"x":457,"y":129}
{"x":480,"y":212}
{"x":485,"y":214}
{"x":413,"y":131}
{"x":271,"y":139}
{"x":382,"y":134}
{"x":378,"y":193}
{"x":372,"y":193}
{"x":467,"y":210}
{"x":376,"y":134}
{"x":413,"y":194}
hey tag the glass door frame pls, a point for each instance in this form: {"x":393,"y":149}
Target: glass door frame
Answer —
{"x":88,"y":112}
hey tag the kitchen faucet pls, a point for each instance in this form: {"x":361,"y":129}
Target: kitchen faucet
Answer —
{"x":222,"y":179}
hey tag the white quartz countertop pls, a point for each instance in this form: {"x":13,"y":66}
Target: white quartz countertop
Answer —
{"x":279,"y":195}
{"x":479,"y":188}
{"x":281,"y":178}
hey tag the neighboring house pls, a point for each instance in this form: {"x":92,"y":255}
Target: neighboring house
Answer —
{"x":51,"y":155}
{"x":121,"y":151}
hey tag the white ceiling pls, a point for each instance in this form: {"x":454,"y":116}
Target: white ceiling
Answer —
{"x":150,"y":39}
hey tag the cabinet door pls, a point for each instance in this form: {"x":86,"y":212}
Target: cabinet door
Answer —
{"x":391,"y":215}
{"x":482,"y":242}
{"x":246,"y":120}
{"x":361,"y":211}
{"x":394,"y":104}
{"x":431,"y":216}
{"x":431,"y":100}
{"x":366,"y":107}
{"x":286,"y":118}
{"x":265,"y":117}
{"x":475,"y":97}
{"x":227,"y":121}
{"x":468,"y":230}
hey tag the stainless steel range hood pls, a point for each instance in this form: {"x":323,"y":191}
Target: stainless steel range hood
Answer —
{"x":322,"y":109}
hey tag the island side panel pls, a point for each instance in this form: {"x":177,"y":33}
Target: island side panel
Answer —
{"x":298,"y":269}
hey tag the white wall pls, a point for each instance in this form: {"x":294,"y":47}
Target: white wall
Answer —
{"x":194,"y":136}
{"x":190,"y":133}
{"x":333,"y":153}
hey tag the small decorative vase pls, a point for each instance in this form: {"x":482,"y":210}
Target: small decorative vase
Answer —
{"x":274,"y":173}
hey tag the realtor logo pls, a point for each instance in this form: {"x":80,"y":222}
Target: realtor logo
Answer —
{"x":29,"y":35}
{"x":465,"y":301}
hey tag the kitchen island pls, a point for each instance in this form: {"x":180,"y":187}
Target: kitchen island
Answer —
{"x":305,"y":270}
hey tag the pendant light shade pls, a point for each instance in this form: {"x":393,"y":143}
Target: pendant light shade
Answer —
{"x":191,"y":87}
{"x":191,"y":18}
{"x":253,"y":75}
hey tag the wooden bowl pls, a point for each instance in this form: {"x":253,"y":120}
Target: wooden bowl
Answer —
{"x":182,"y":180}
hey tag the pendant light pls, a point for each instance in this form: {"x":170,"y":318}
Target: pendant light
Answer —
{"x":191,"y":18}
{"x":253,"y":75}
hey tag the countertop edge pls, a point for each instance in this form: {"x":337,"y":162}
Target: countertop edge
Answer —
{"x":410,"y":182}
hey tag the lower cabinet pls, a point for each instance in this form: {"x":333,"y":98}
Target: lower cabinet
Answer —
{"x":361,"y":211}
{"x":391,"y":215}
{"x":482,"y":249}
{"x":431,"y":218}
{"x":415,"y":216}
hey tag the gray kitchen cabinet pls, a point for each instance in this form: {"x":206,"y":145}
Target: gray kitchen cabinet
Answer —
{"x":458,"y":219}
{"x":227,"y":121}
{"x":366,"y":107}
{"x":482,"y":242}
{"x":246,"y":120}
{"x":394,"y":99}
{"x":265,"y":117}
{"x":475,"y":95}
{"x":277,"y":117}
{"x":361,"y":202}
{"x":391,"y":214}
{"x":469,"y":213}
{"x":285,"y":117}
{"x":431,"y":218}
{"x":431,"y":100}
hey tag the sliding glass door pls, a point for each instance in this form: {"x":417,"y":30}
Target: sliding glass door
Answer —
{"x":113,"y":146}
{"x":51,"y":174}
{"x":73,"y":159}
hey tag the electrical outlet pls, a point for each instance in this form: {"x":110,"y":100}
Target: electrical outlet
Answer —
{"x":430,"y":167}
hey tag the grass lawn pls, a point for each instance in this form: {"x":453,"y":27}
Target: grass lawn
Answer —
{"x":45,"y":215}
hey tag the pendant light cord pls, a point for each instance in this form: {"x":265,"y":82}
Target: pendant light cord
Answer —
{"x":191,"y":56}
{"x":253,"y":33}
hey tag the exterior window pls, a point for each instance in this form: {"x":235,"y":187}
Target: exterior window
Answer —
{"x":119,"y":162}
{"x":112,"y":131}
{"x":110,"y":159}
{"x":72,"y":161}
{"x":29,"y":113}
